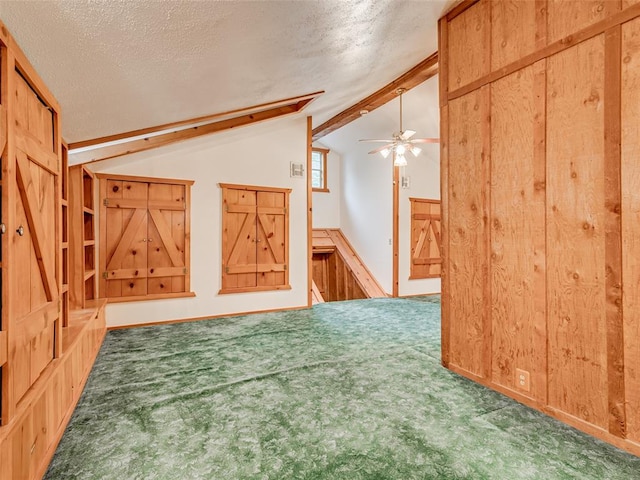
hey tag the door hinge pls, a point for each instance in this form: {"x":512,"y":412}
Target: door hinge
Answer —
{"x":105,"y":202}
{"x":105,"y":275}
{"x":285,"y":266}
{"x":226,"y":269}
{"x":185,"y":270}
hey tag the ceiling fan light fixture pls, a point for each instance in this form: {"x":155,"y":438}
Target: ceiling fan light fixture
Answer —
{"x":415,"y":150}
{"x":385,"y":152}
{"x":400,"y":149}
{"x":400,"y":161}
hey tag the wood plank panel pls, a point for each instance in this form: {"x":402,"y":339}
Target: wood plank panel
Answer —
{"x":513,"y":31}
{"x":630,"y":175}
{"x":468,"y":45}
{"x":566,"y":17}
{"x":575,"y":232}
{"x":517,"y":231}
{"x":467,"y":231}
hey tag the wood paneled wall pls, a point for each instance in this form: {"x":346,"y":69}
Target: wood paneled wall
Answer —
{"x":540,"y":102}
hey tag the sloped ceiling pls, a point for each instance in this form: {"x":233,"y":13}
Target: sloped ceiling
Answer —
{"x":121,"y":65}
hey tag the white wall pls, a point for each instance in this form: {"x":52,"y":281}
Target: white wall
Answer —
{"x":254,"y":155}
{"x":326,"y":205}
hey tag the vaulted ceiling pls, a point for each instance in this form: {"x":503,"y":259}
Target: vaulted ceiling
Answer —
{"x":117,"y":66}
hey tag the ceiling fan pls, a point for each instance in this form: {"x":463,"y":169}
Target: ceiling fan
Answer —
{"x":401,"y":143}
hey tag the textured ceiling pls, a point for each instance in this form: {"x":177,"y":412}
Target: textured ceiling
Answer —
{"x":116,"y":66}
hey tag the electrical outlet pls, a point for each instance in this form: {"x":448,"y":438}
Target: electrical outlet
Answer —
{"x":523,"y":381}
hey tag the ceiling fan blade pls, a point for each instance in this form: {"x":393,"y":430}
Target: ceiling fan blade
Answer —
{"x":407,"y":134}
{"x":425,"y":140}
{"x":375,"y":140}
{"x":389,"y":145}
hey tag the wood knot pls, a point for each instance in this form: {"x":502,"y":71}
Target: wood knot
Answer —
{"x":115,"y":188}
{"x":586,"y":226}
{"x":540,"y":185}
{"x":133,"y":252}
{"x":576,"y":276}
{"x":162,"y":285}
{"x":574,"y":175}
{"x":626,"y":59}
{"x":131,"y":285}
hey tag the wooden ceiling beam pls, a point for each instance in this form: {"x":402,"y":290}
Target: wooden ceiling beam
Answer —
{"x":136,"y":143}
{"x":192,"y":121}
{"x":418,"y":74}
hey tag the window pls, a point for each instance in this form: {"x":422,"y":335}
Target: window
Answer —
{"x":319,"y":169}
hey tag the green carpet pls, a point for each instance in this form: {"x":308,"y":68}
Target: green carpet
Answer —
{"x":345,"y":390}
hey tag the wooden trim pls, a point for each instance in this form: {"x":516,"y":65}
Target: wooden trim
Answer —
{"x":206,"y":317}
{"x":225,"y":291}
{"x":624,"y":444}
{"x":3,"y":348}
{"x":193,"y":121}
{"x":254,"y":188}
{"x":9,"y":193}
{"x":133,"y":178}
{"x":424,"y":200}
{"x":613,"y":231}
{"x":445,"y":334}
{"x":321,"y":190}
{"x":395,"y":229}
{"x":541,"y":23}
{"x":310,"y":283}
{"x":160,"y":296}
{"x":443,"y":89}
{"x":539,"y":384}
{"x":423,"y":71}
{"x":485,"y":133}
{"x":141,"y":144}
{"x":458,"y":8}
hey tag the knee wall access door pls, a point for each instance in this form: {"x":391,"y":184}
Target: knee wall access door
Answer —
{"x":144,"y":238}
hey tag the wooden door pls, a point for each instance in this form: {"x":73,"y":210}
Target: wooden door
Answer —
{"x":33,"y":244}
{"x":255,"y":232}
{"x":271,"y":234}
{"x":426,"y":261}
{"x":239,"y":253}
{"x":126,"y":239}
{"x":166,"y":262}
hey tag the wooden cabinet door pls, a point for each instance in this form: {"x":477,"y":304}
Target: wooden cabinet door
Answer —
{"x":126,"y":238}
{"x":239,"y":253}
{"x":271,"y":235}
{"x":255,"y":232}
{"x":166,"y":234}
{"x":144,"y":237}
{"x":426,"y":261}
{"x":34,"y":305}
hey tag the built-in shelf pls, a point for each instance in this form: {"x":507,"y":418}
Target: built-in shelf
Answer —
{"x":82,"y":241}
